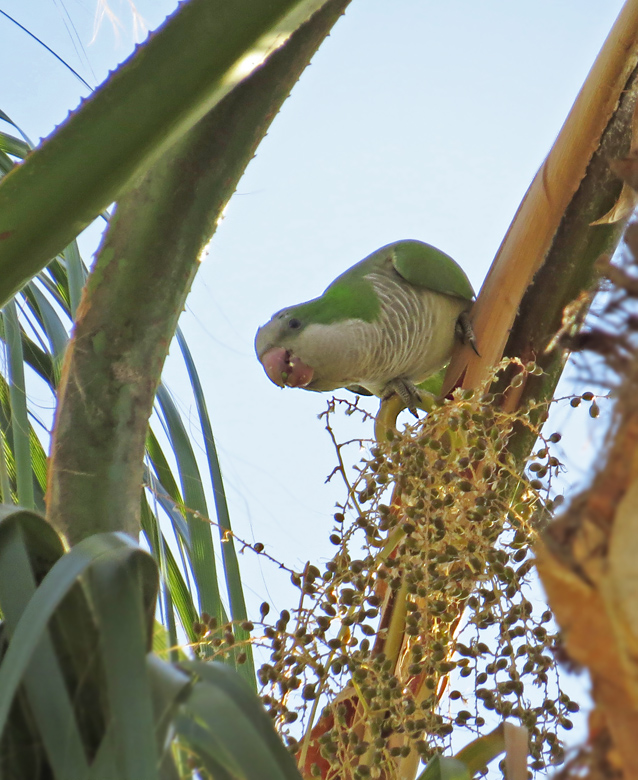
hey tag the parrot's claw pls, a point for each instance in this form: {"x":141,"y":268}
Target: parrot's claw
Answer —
{"x":406,"y":391}
{"x":465,"y":331}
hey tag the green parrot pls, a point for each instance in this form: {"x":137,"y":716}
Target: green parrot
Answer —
{"x":383,"y":326}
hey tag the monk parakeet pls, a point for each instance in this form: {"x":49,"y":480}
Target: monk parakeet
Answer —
{"x":385,"y":325}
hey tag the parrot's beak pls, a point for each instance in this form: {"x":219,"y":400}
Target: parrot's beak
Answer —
{"x":284,"y":369}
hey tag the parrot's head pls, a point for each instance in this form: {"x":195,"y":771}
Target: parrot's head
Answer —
{"x":309,"y":345}
{"x":277,"y":344}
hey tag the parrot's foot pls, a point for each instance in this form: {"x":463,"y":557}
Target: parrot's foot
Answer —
{"x":465,"y":331}
{"x":406,"y":391}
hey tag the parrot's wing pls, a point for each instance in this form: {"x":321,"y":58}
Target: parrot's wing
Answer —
{"x":358,"y":390}
{"x":433,"y":384}
{"x":427,"y":267}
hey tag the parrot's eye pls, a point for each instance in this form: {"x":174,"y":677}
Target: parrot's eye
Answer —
{"x":294,"y":324}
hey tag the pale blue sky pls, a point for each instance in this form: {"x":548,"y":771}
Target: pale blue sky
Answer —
{"x":415,"y":120}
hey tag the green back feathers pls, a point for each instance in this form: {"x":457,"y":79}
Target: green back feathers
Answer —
{"x":427,"y":267}
{"x":352,"y":296}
